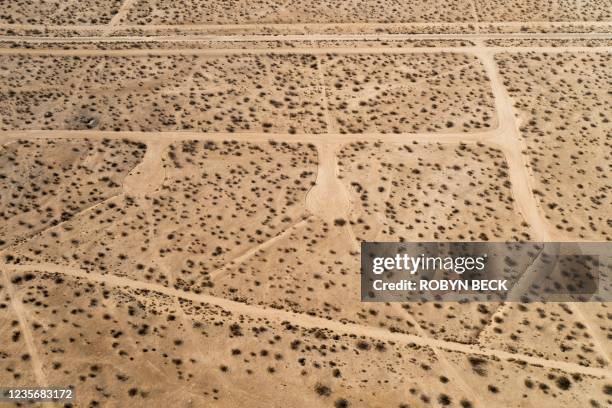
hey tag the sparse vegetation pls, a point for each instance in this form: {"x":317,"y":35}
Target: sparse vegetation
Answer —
{"x":181,"y":214}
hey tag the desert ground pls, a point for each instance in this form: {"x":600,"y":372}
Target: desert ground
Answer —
{"x":184,"y":187}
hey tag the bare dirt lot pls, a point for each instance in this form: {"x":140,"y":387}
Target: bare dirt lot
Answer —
{"x":275,"y":93}
{"x":184,"y":187}
{"x":566,"y":126}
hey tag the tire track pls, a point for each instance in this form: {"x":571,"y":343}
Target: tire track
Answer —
{"x":310,"y":321}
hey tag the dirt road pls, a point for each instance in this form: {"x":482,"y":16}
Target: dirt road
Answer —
{"x":308,"y":321}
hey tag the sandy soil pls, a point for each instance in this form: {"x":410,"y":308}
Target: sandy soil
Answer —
{"x":183,"y":195}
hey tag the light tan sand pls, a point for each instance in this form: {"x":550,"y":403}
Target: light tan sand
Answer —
{"x":181,"y":206}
